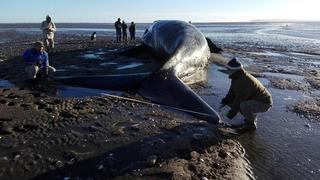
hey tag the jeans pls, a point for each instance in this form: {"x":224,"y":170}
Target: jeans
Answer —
{"x":250,"y":108}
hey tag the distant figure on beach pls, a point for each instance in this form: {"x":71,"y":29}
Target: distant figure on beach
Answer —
{"x":146,"y":31}
{"x":37,"y":62}
{"x":48,"y":28}
{"x":246,"y":95}
{"x":118,"y":27}
{"x":94,"y":36}
{"x":124,"y":31}
{"x":132,"y":30}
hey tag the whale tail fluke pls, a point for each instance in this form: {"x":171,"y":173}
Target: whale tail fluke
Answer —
{"x":167,"y":89}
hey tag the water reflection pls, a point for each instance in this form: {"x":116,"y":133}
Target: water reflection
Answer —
{"x":6,"y":84}
{"x":283,"y":147}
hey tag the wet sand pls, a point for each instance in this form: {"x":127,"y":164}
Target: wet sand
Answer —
{"x":43,"y":136}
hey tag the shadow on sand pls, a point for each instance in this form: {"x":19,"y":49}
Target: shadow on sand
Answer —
{"x":158,"y":157}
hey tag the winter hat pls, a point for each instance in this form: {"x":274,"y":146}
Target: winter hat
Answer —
{"x":234,"y":64}
{"x":38,"y":43}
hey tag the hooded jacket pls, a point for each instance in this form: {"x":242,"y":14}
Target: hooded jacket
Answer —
{"x":245,"y":87}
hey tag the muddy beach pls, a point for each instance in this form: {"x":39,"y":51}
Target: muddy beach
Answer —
{"x":47,"y":135}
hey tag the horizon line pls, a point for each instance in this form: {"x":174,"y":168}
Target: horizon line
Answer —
{"x":196,"y":22}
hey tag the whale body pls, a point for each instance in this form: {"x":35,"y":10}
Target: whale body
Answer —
{"x":183,"y":54}
{"x":183,"y":48}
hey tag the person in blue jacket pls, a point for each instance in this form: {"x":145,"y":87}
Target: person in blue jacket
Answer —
{"x":37,"y":61}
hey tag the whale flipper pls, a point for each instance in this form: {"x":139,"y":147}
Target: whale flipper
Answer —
{"x":168,"y":89}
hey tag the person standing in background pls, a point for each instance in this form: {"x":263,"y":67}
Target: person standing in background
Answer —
{"x":94,"y":36}
{"x":48,"y":28}
{"x":124,"y":31}
{"x":132,"y":30}
{"x":118,"y":26}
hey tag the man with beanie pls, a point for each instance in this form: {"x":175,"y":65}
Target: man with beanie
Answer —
{"x":37,"y":61}
{"x":48,"y":28}
{"x":246,"y":95}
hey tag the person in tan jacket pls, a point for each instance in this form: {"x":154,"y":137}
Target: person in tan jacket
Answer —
{"x":48,"y":28}
{"x":246,"y":95}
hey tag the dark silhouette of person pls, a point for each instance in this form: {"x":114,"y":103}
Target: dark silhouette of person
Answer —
{"x":124,"y":31}
{"x":146,"y":31}
{"x":118,"y":26}
{"x":132,"y":30}
{"x":93,"y":36}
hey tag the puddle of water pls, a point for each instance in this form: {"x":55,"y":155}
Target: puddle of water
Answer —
{"x":100,"y":53}
{"x":282,"y":147}
{"x":129,"y":66}
{"x":315,"y":63}
{"x":73,"y":67}
{"x":109,"y":75}
{"x":264,"y":81}
{"x":282,"y":75}
{"x":92,"y":56}
{"x":61,"y":70}
{"x":267,"y":54}
{"x":108,"y":64}
{"x":80,"y":92}
{"x":6,"y":84}
{"x":303,"y":54}
{"x":112,"y":50}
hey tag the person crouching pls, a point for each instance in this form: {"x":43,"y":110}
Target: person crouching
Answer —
{"x":246,"y":95}
{"x":37,"y":62}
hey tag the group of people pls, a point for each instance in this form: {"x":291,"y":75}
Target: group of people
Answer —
{"x":121,"y":31}
{"x":36,"y":59}
{"x":246,"y":94}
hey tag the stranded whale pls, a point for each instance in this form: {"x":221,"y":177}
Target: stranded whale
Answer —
{"x":183,"y":54}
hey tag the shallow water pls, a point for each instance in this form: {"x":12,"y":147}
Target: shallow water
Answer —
{"x":130,"y":65}
{"x":283,"y":75}
{"x":302,"y":37}
{"x":91,"y":56}
{"x":283,"y":147}
{"x":80,"y":92}
{"x":266,"y":54}
{"x":6,"y":84}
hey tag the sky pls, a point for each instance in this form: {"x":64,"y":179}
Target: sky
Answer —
{"x":106,"y":11}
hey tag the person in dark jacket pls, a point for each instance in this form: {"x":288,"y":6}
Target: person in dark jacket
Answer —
{"x":132,"y":30}
{"x":246,"y":95}
{"x":118,"y":26}
{"x":124,"y":31}
{"x":37,"y":61}
{"x":94,"y":36}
